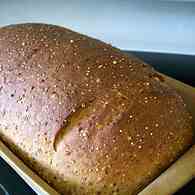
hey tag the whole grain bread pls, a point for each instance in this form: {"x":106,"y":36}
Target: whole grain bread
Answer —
{"x":85,"y":116}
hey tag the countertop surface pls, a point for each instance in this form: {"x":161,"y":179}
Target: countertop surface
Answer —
{"x":178,"y":66}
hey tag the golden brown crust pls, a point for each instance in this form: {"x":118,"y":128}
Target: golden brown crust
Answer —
{"x":88,"y":118}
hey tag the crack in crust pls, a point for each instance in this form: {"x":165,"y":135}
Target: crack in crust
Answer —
{"x":114,"y":101}
{"x":66,"y":125}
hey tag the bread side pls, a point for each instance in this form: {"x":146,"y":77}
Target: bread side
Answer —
{"x":86,"y":117}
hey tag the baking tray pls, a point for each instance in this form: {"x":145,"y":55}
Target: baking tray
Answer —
{"x":173,"y":178}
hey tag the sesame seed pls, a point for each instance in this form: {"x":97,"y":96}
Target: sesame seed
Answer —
{"x":115,"y":86}
{"x":139,"y":146}
{"x":130,"y":116}
{"x":71,"y":41}
{"x":84,"y":134}
{"x":105,"y":103}
{"x":132,"y":143}
{"x":83,"y":105}
{"x":129,"y":138}
{"x":151,"y":133}
{"x":100,"y":66}
{"x":98,"y":80}
{"x":23,"y":43}
{"x":120,"y":131}
{"x":171,"y":133}
{"x":72,"y":161}
{"x":156,"y":125}
{"x":114,"y":62}
{"x":146,"y":127}
{"x":115,"y":148}
{"x":54,"y":95}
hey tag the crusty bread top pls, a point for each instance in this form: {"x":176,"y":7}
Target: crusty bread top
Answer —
{"x":110,"y":122}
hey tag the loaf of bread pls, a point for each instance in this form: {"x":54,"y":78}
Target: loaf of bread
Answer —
{"x":89,"y":119}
